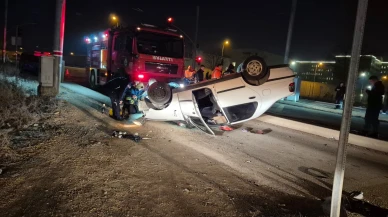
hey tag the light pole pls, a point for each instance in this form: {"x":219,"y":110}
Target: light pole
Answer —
{"x":315,"y":73}
{"x":226,"y":42}
{"x":5,"y":30}
{"x":289,"y":34}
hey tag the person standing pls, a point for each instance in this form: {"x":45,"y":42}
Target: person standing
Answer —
{"x":230,"y":70}
{"x":340,"y":95}
{"x":126,"y":99}
{"x":137,"y":94}
{"x":240,"y":68}
{"x":375,"y":104}
{"x":217,"y":72}
{"x":200,"y":73}
{"x":113,"y":89}
{"x":385,"y":104}
{"x":189,"y":76}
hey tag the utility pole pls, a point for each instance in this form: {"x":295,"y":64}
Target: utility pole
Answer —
{"x":16,"y":45}
{"x":195,"y":51}
{"x":5,"y":30}
{"x":347,"y":113}
{"x":290,"y":28}
{"x":59,"y":35}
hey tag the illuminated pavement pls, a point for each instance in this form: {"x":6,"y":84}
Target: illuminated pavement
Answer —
{"x":322,"y":118}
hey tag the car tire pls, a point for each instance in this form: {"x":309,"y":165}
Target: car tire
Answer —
{"x":255,"y":70}
{"x":92,"y":80}
{"x":152,"y":106}
{"x":159,"y":94}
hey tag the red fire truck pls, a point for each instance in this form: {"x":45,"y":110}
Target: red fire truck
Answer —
{"x":139,"y":52}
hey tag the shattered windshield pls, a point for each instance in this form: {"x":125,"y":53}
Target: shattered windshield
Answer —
{"x":160,"y":45}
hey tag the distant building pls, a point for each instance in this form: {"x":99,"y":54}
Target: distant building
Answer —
{"x":368,"y":65}
{"x":318,"y":71}
{"x":336,"y":71}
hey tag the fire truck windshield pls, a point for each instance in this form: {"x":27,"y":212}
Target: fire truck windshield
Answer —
{"x":159,"y":44}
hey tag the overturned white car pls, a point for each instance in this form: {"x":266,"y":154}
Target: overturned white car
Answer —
{"x":233,"y":99}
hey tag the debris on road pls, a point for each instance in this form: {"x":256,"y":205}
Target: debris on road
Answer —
{"x":103,"y":108}
{"x":135,"y":137}
{"x":358,"y":195}
{"x":226,"y":128}
{"x":138,"y":123}
{"x":256,"y":131}
{"x":181,"y":124}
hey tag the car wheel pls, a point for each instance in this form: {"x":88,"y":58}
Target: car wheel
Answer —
{"x":92,"y":79}
{"x":254,"y":70}
{"x":159,"y":94}
{"x":152,"y":106}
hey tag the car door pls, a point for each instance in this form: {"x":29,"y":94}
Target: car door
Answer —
{"x":237,"y":100}
{"x":198,"y":120}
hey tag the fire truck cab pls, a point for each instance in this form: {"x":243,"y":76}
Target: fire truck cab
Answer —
{"x":139,"y":53}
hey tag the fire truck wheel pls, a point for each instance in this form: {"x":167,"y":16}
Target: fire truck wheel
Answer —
{"x":159,"y":93}
{"x":255,"y":70}
{"x":92,"y":79}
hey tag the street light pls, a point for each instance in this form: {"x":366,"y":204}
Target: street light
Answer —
{"x":115,"y":19}
{"x":71,"y":53}
{"x":363,"y":74}
{"x":384,"y":77}
{"x":226,"y":42}
{"x":21,"y":48}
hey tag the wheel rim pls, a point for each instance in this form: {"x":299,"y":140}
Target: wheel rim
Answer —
{"x":159,"y":93}
{"x":254,"y":68}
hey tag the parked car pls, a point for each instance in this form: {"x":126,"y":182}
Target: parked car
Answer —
{"x":233,"y":99}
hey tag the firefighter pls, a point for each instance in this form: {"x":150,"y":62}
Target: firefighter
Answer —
{"x":137,"y":94}
{"x":217,"y":72}
{"x":132,"y":93}
{"x":189,"y":76}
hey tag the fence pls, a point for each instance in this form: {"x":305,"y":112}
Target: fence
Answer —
{"x":317,"y":91}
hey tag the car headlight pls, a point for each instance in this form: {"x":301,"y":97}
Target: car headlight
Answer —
{"x":182,"y":85}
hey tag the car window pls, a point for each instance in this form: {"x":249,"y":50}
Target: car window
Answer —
{"x":240,"y":112}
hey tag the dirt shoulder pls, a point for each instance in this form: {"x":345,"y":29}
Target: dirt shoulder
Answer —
{"x":81,"y":171}
{"x":77,"y":169}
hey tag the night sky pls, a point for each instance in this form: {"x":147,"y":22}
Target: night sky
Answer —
{"x":322,"y":28}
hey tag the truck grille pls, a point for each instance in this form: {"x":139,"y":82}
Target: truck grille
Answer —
{"x":161,"y":68}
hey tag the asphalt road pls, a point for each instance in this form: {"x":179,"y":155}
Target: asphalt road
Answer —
{"x":305,"y":115}
{"x":322,"y":118}
{"x":287,"y":161}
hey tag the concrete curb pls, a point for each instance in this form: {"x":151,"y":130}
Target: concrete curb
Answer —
{"x":357,"y":140}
